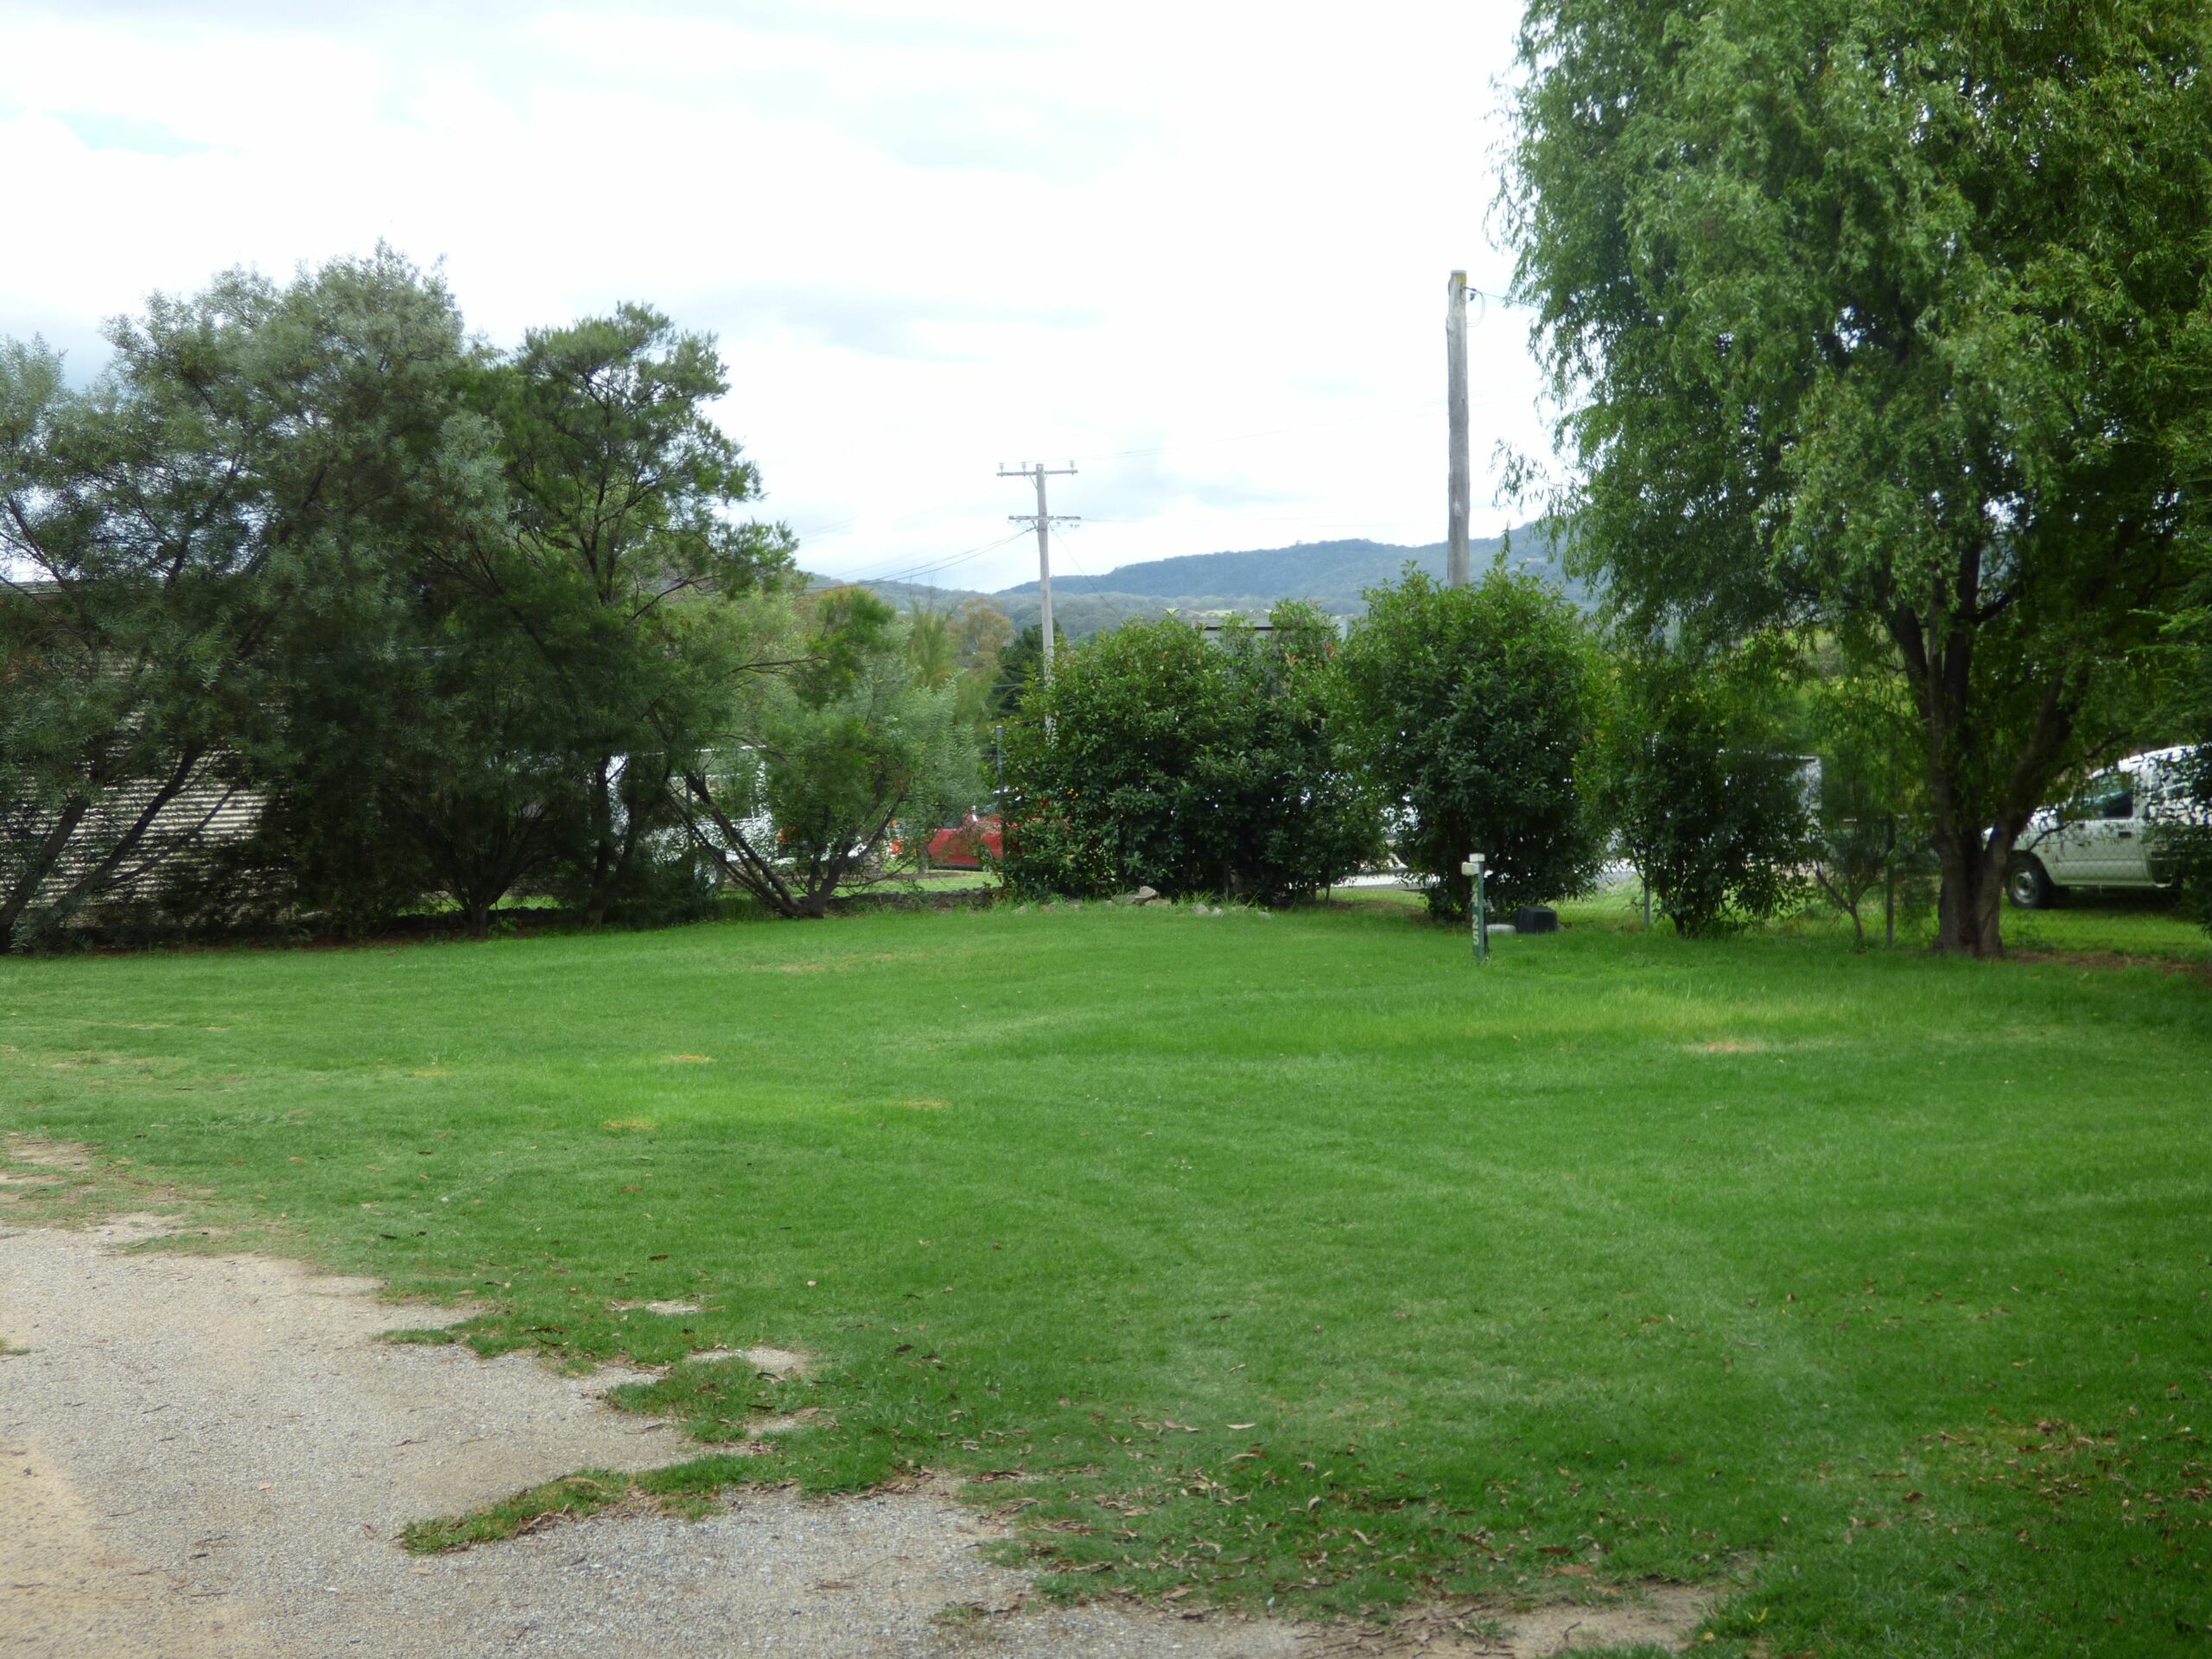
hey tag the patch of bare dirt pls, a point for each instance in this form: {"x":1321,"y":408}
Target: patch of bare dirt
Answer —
{"x":42,"y":1153}
{"x":69,"y":1586}
{"x":777,"y":1362}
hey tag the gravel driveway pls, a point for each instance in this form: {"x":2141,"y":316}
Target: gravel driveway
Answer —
{"x":209,"y":1456}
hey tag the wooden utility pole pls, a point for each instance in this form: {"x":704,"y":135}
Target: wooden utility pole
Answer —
{"x":1042,"y":519}
{"x":1455,"y":355}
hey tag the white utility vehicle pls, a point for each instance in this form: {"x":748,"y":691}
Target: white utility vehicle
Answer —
{"x":2107,"y":836}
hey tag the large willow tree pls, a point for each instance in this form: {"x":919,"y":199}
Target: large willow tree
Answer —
{"x":1887,"y":318}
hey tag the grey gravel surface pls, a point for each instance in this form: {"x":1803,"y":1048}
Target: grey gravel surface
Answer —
{"x":209,"y":1456}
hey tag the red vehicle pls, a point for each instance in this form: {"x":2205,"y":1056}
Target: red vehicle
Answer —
{"x":965,"y":845}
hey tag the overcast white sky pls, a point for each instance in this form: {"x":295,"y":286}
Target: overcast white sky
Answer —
{"x":1199,"y":249}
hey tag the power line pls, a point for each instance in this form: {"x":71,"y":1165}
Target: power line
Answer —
{"x":1176,"y":447}
{"x":843,"y":525}
{"x":929,"y":566}
{"x":1120,"y":615}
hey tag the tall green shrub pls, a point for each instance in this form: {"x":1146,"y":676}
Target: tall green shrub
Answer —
{"x":1159,"y":757}
{"x":1473,"y":709}
{"x":1870,"y":854}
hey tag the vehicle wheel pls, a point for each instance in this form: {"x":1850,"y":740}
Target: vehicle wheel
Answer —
{"x":2028,"y":884}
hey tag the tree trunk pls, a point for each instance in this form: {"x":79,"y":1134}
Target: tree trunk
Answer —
{"x":1975,"y":849}
{"x":603,"y":859}
{"x":1975,"y":831}
{"x":37,"y":866}
{"x":1969,"y":916}
{"x":755,"y":872}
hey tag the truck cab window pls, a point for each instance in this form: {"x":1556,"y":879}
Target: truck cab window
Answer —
{"x":2112,"y":795}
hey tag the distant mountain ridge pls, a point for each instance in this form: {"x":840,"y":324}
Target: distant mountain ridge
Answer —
{"x":1333,"y":574}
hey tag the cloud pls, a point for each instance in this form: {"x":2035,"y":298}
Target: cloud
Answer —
{"x":946,"y":131}
{"x":878,"y":321}
{"x":107,"y":129}
{"x":928,"y":238}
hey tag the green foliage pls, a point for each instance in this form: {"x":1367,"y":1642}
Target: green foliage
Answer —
{"x":930,"y":647}
{"x":815,"y":767}
{"x":1869,"y":828}
{"x":254,"y":460}
{"x":1473,"y":709}
{"x":449,"y":622}
{"x":982,"y":635}
{"x":1020,"y":665}
{"x":1708,"y":805}
{"x":623,"y":545}
{"x":1159,"y":758}
{"x":1887,"y":316}
{"x":2186,"y":841}
{"x":959,"y":651}
{"x":2185,"y":844}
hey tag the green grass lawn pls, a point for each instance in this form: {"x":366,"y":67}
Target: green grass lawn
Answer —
{"x":1291,"y":1255}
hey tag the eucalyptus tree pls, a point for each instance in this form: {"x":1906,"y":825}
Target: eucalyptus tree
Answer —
{"x":1886,"y":318}
{"x":981,"y":634}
